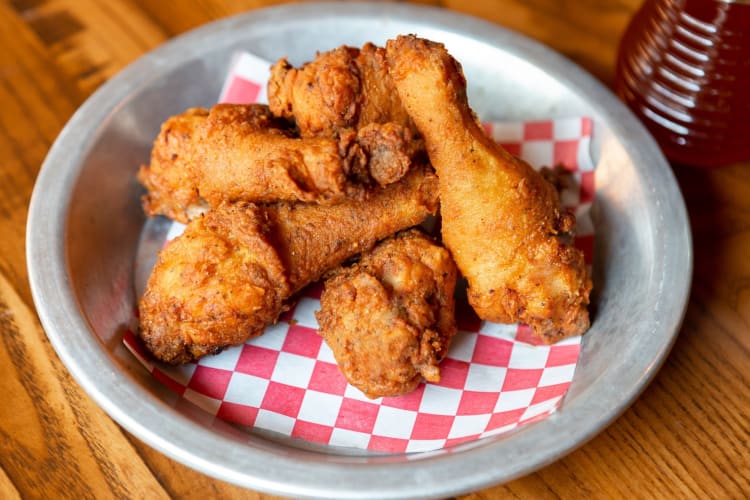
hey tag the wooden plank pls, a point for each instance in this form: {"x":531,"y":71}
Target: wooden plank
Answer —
{"x":54,"y":438}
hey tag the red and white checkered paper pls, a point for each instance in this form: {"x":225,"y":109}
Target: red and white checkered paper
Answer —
{"x":494,"y":379}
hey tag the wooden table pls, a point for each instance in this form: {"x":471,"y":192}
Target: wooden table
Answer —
{"x":687,"y":436}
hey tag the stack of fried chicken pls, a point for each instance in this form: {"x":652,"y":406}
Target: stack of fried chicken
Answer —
{"x":330,"y":181}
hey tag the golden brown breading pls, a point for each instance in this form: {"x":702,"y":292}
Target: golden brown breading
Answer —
{"x":312,"y":240}
{"x":241,"y":153}
{"x":171,"y":190}
{"x":500,"y":219}
{"x":227,"y":276}
{"x":391,"y":150}
{"x":218,"y":284}
{"x":344,"y":88}
{"x":389,"y":319}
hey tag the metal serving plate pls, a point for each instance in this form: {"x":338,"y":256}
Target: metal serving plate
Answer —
{"x":85,"y":221}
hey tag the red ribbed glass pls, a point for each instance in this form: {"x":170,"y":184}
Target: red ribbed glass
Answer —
{"x":684,"y":69}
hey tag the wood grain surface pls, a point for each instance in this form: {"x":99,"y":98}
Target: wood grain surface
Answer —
{"x":687,"y":436}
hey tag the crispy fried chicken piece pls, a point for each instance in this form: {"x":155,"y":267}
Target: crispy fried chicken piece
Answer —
{"x":390,"y":151}
{"x":312,"y":240}
{"x":218,"y":284}
{"x":227,"y":276}
{"x":168,"y":177}
{"x":348,"y":90}
{"x":344,"y":88}
{"x":500,"y":219}
{"x":389,"y":318}
{"x":242,"y":153}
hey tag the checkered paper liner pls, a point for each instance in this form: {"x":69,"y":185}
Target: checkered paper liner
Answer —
{"x":494,"y":379}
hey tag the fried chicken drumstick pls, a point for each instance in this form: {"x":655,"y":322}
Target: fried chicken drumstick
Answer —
{"x":227,"y":276}
{"x":403,"y":289}
{"x":500,"y":219}
{"x":218,"y":283}
{"x":345,"y":90}
{"x":234,"y":152}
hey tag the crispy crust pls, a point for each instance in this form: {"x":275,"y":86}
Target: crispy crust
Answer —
{"x":500,"y":219}
{"x":389,"y":319}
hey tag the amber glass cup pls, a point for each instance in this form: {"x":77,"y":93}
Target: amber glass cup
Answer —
{"x":684,"y":68}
